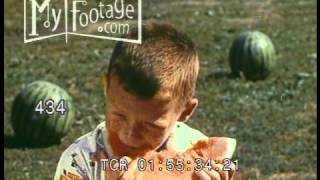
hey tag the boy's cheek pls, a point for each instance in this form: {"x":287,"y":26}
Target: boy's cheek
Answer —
{"x":155,"y":138}
{"x":114,"y":125}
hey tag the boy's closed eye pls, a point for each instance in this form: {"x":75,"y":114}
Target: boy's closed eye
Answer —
{"x":119,"y":115}
{"x":153,"y":126}
{"x":146,"y":124}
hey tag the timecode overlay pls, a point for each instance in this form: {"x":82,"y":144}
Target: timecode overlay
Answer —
{"x":170,"y":164}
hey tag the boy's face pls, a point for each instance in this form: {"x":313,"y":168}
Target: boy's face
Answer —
{"x":136,"y":126}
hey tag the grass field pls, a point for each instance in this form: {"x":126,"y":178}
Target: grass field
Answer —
{"x":274,"y":121}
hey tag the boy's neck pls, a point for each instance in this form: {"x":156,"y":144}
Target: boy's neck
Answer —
{"x":168,"y":144}
{"x":163,"y":146}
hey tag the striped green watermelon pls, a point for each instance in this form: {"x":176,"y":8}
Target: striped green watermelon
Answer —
{"x":253,"y":54}
{"x":48,"y":127}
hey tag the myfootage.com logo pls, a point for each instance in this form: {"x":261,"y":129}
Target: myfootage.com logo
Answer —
{"x":104,"y":19}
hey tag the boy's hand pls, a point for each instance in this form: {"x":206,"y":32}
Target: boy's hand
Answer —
{"x":205,"y":174}
{"x":131,"y":174}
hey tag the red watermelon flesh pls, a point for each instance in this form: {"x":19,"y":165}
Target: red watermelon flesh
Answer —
{"x":214,"y":148}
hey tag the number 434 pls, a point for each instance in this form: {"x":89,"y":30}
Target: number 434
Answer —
{"x":48,"y":106}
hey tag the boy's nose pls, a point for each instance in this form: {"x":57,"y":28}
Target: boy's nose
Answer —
{"x":134,"y":131}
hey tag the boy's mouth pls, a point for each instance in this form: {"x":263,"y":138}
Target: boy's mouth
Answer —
{"x":132,"y":147}
{"x":134,"y":144}
{"x":121,"y":148}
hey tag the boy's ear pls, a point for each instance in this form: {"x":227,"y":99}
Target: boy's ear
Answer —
{"x":189,"y":109}
{"x":105,"y":80}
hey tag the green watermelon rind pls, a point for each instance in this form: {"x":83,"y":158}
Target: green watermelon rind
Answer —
{"x":46,"y":128}
{"x":252,"y":53}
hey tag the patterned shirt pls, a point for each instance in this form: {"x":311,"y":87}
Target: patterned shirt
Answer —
{"x":82,"y":159}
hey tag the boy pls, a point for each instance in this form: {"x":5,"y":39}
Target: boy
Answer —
{"x":150,"y":91}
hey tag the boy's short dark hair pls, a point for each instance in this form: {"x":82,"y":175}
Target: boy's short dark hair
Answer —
{"x":166,"y":60}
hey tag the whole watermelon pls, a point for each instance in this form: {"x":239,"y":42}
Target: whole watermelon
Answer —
{"x":252,"y":53}
{"x":46,"y":127}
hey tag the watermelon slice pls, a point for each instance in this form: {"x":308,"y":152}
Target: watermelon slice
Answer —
{"x":213,"y":148}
